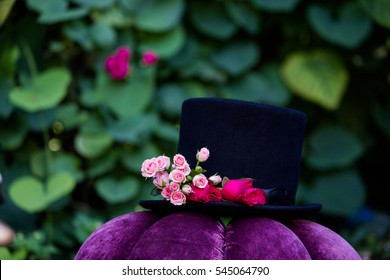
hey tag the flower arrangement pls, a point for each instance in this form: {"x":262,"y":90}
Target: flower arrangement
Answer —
{"x":178,"y":183}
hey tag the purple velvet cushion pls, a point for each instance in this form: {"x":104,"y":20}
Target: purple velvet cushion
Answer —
{"x":189,"y":235}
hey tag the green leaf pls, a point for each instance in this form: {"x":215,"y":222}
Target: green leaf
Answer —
{"x":244,"y":16}
{"x":70,"y":116}
{"x":210,"y":19}
{"x":12,"y":136}
{"x":349,"y":29}
{"x":316,"y":76}
{"x":92,"y":145}
{"x":47,"y":91}
{"x":265,"y":87}
{"x":340,"y":194}
{"x":333,"y":146}
{"x":9,"y":54}
{"x":276,"y":6}
{"x":117,"y":191}
{"x":28,"y":194}
{"x":80,"y":33}
{"x":41,"y":6}
{"x":61,"y":162}
{"x":6,"y":107}
{"x":95,"y":3}
{"x":378,"y":10}
{"x":160,"y":16}
{"x":103,"y":34}
{"x":167,"y":132}
{"x":237,"y":57}
{"x":381,"y":114}
{"x":52,"y":17}
{"x":33,"y":196}
{"x":124,"y":98}
{"x":164,"y":44}
{"x":135,"y":130}
{"x":5,"y":9}
{"x":102,"y":165}
{"x":170,"y":96}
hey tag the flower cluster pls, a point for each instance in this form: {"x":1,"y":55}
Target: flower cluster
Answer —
{"x":118,"y":64}
{"x":177,"y":182}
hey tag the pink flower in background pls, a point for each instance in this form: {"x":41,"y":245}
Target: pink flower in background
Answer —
{"x":203,"y":155}
{"x":117,"y":65}
{"x":149,"y":58}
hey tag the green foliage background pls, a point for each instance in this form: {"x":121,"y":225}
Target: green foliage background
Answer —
{"x":72,"y":140}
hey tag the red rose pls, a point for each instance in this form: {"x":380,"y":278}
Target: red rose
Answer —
{"x":209,"y":193}
{"x":253,"y":196}
{"x":233,"y":189}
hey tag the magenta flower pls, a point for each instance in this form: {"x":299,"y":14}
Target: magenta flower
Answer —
{"x":117,"y":65}
{"x":149,"y":58}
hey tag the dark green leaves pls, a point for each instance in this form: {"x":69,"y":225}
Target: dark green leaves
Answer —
{"x":349,"y":29}
{"x":46,"y":91}
{"x":333,"y":147}
{"x":317,"y":76}
{"x":379,"y":10}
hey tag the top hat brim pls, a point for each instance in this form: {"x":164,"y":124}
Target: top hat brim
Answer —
{"x":231,"y":209}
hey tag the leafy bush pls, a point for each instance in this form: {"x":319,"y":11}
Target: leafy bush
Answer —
{"x":72,"y":138}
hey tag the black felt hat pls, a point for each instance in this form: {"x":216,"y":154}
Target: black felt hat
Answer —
{"x":246,"y":140}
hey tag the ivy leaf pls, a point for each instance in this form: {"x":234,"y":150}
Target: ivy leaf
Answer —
{"x":47,"y":91}
{"x":117,"y":191}
{"x":349,"y":29}
{"x":160,"y":16}
{"x":379,"y":11}
{"x":33,"y":196}
{"x":340,"y":194}
{"x":317,"y":76}
{"x":332,"y":146}
{"x":237,"y":57}
{"x":92,"y":145}
{"x":164,"y":44}
{"x":244,"y":15}
{"x":210,"y":19}
{"x":276,"y":6}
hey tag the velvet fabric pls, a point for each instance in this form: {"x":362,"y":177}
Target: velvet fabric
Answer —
{"x":189,"y":235}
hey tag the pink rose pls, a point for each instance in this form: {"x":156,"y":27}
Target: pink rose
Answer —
{"x":123,"y":53}
{"x":166,"y":193}
{"x":178,"y":198}
{"x":200,"y":181}
{"x":234,"y":189}
{"x":163,"y":162}
{"x":174,"y":186}
{"x":177,"y":176}
{"x":149,"y":168}
{"x":209,"y":193}
{"x":253,"y":196}
{"x":179,"y":161}
{"x":149,"y":58}
{"x":161,"y":179}
{"x":203,"y":155}
{"x":215,"y":179}
{"x":186,"y":169}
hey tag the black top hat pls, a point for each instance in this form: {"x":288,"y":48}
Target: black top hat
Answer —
{"x":246,"y":140}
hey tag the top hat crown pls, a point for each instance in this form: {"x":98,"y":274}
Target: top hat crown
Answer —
{"x":247,"y":140}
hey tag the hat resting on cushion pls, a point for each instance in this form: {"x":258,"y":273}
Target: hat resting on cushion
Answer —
{"x":245,"y":140}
